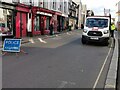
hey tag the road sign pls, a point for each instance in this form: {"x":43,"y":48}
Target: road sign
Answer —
{"x":12,"y":45}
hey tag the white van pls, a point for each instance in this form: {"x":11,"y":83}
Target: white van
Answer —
{"x":96,"y":29}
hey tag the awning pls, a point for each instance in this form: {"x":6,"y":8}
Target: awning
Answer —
{"x":5,"y":5}
{"x":43,"y":13}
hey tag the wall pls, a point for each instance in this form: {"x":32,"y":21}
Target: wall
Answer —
{"x":84,"y":9}
{"x":27,"y":2}
{"x":8,"y":1}
{"x":1,"y":13}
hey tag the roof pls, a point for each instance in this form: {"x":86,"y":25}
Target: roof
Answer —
{"x":98,"y":17}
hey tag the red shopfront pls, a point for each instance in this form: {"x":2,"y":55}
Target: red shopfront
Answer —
{"x":41,"y":20}
{"x":21,"y":20}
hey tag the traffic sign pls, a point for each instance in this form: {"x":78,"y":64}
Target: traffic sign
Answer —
{"x":12,"y":45}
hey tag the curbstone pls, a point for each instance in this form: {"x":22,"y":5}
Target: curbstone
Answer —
{"x":24,"y":42}
{"x":110,"y":83}
{"x":112,"y":73}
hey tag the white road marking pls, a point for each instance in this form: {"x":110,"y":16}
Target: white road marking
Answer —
{"x":62,"y":85}
{"x":72,"y":83}
{"x":82,"y":70}
{"x":68,"y":33}
{"x":56,"y":35}
{"x":111,"y":86}
{"x":46,"y":35}
{"x":31,"y":40}
{"x":42,"y":40}
{"x":95,"y":84}
{"x":57,"y":38}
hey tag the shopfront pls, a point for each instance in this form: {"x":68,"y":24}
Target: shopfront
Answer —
{"x":58,"y":21}
{"x":72,"y":23}
{"x":65,"y":20}
{"x":22,"y":20}
{"x":41,"y":19}
{"x":42,"y":23}
{"x":7,"y":20}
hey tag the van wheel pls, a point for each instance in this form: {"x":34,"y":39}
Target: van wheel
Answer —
{"x":83,"y":41}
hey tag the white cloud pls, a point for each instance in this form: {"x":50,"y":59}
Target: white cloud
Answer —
{"x":98,"y":6}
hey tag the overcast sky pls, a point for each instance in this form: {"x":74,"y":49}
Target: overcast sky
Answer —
{"x":98,"y":6}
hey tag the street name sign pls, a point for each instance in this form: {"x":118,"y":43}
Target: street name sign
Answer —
{"x":12,"y":45}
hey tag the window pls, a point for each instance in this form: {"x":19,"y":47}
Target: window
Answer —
{"x":54,"y":5}
{"x":37,"y":23}
{"x":97,"y":22}
{"x":47,"y":23}
{"x":65,"y":5}
{"x":45,"y":4}
{"x":6,"y":22}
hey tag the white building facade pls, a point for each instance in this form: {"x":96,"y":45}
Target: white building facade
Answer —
{"x":79,"y":12}
{"x":83,"y":13}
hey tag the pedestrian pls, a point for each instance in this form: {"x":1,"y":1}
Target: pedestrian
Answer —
{"x":112,"y":29}
{"x":82,"y":26}
{"x":51,"y":29}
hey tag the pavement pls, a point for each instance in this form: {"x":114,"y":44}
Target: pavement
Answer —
{"x":112,"y":73}
{"x":43,"y":37}
{"x":27,"y":39}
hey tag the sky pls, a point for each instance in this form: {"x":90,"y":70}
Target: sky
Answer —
{"x":98,"y":6}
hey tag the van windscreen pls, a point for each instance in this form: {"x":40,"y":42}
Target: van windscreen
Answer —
{"x":97,"y":22}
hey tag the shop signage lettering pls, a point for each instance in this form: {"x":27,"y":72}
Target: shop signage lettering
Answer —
{"x":43,"y":13}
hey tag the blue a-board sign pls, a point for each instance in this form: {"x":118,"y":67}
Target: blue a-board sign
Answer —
{"x":12,"y":45}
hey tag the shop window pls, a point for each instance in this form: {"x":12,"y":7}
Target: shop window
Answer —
{"x":53,"y":5}
{"x":6,"y":22}
{"x":47,"y":23}
{"x":37,"y":23}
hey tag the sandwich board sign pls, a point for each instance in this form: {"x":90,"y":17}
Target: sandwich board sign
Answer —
{"x":12,"y":45}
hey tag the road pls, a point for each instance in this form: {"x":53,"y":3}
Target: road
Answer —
{"x":58,"y":62}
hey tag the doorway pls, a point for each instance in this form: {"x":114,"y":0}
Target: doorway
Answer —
{"x":21,"y":25}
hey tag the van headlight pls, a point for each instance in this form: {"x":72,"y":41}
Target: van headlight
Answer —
{"x":106,"y":31}
{"x":85,"y":30}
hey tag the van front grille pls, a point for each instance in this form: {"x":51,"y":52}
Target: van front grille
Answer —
{"x":95,"y":33}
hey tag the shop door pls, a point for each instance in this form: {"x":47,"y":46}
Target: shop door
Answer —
{"x":18,"y":25}
{"x":23,"y":24}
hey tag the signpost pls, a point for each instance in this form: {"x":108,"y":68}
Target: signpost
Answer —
{"x":12,"y":45}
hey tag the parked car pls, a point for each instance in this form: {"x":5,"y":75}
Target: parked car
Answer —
{"x":3,"y":29}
